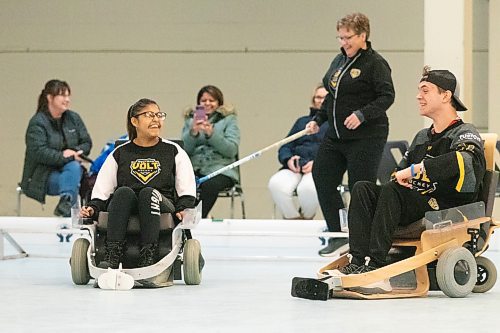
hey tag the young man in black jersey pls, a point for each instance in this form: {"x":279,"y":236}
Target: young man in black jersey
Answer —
{"x":443,"y":168}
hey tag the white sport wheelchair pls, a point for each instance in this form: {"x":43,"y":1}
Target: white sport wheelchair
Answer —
{"x":176,"y":248}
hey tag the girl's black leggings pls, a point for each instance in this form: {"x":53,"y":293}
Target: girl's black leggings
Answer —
{"x":148,"y":204}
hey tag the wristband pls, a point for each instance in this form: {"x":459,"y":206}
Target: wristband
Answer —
{"x":412,"y":170}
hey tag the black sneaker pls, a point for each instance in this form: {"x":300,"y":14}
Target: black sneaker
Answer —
{"x":350,"y":268}
{"x":148,"y":255}
{"x":310,"y":289}
{"x":113,"y":254}
{"x":63,"y":208}
{"x":335,"y":247}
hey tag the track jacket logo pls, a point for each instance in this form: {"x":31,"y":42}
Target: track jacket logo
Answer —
{"x":355,"y":73}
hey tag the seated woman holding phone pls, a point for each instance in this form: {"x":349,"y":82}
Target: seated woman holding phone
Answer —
{"x":297,"y":160}
{"x":211,"y":138}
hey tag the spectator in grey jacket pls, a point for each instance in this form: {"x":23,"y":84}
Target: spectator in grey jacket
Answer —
{"x":56,"y":139}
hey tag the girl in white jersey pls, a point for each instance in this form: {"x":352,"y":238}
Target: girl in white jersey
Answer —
{"x":146,"y":176}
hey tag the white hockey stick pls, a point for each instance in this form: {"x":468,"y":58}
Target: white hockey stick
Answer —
{"x":254,"y":155}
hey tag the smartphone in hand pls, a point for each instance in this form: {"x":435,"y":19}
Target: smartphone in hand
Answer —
{"x":199,"y":113}
{"x":86,"y":158}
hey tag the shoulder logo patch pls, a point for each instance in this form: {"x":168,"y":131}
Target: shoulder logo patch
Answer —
{"x":355,"y":73}
{"x":433,"y":204}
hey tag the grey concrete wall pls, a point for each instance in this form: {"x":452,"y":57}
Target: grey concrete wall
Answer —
{"x":266,"y":56}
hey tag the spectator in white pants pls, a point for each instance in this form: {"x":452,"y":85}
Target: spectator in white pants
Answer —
{"x":297,"y":158}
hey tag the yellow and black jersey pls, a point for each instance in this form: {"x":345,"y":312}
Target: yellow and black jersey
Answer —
{"x":454,"y":164}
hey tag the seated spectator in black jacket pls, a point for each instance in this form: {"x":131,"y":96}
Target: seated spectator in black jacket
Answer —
{"x":55,"y":140}
{"x":297,"y":158}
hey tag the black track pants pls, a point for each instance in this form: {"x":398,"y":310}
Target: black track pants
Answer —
{"x":209,"y":191}
{"x":374,"y":213}
{"x":148,"y":204}
{"x":360,"y":158}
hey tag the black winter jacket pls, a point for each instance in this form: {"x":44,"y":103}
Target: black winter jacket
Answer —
{"x":45,"y":143}
{"x":362,"y":85}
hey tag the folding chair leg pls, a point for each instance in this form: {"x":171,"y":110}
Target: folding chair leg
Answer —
{"x":232,"y":206}
{"x":242,"y":198}
{"x":18,"y":206}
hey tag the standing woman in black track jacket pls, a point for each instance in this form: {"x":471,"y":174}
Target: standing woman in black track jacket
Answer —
{"x":360,"y":90}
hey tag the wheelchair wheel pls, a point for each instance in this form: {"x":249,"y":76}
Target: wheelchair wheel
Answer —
{"x":79,"y":266}
{"x":191,"y":266}
{"x":486,"y":275}
{"x":456,"y":272}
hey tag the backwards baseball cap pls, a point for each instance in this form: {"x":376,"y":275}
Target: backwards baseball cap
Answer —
{"x":447,"y":81}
